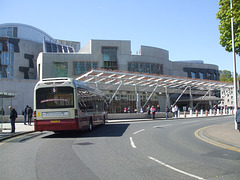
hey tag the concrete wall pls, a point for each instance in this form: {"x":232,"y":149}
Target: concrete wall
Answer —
{"x":26,"y":59}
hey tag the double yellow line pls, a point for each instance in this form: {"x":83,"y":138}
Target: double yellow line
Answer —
{"x":213,"y":142}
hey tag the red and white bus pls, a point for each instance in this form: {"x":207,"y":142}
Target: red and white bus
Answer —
{"x":67,"y":104}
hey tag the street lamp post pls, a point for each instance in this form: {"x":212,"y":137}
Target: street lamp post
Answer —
{"x":234,"y":68}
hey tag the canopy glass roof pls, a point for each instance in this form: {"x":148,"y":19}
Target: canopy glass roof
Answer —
{"x":138,"y":79}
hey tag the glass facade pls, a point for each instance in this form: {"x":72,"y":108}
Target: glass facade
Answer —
{"x":6,"y":59}
{"x":193,"y":74}
{"x":83,"y":67}
{"x":61,"y":69}
{"x":58,"y":48}
{"x":109,"y":57}
{"x":8,"y":32}
{"x":150,"y":68}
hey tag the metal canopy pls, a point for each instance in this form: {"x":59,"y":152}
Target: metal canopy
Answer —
{"x":147,"y":80}
{"x":6,"y":95}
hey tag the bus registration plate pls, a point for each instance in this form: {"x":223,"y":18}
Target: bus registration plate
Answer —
{"x":55,"y":121}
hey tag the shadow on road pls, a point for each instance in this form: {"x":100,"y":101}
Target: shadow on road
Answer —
{"x":109,"y":130}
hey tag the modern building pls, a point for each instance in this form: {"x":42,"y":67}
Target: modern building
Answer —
{"x":116,"y":55}
{"x":28,"y":54}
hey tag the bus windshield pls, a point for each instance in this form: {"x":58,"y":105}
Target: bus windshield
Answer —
{"x":54,"y":97}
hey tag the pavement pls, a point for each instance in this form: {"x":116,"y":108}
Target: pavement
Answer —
{"x":20,"y":129}
{"x":220,"y":135}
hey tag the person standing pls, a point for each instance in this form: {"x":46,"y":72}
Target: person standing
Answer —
{"x":176,"y":111}
{"x":13,"y":116}
{"x":173,"y":110}
{"x":153,"y":109}
{"x":25,"y":115}
{"x":30,"y":112}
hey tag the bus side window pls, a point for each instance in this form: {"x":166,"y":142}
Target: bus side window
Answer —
{"x":81,"y":105}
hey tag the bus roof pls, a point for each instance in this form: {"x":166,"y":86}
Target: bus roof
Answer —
{"x":74,"y":82}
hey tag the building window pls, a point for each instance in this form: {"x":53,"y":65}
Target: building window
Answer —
{"x":109,"y":57}
{"x":150,"y":68}
{"x":3,"y":32}
{"x":193,"y":74}
{"x":209,"y":76}
{"x":215,"y":76}
{"x":6,"y":56}
{"x":83,"y":67}
{"x":8,"y":32}
{"x":61,"y":69}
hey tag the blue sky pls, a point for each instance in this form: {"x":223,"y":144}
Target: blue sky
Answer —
{"x":188,"y":29}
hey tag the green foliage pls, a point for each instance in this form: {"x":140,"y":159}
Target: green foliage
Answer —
{"x":227,"y":76}
{"x":224,"y":15}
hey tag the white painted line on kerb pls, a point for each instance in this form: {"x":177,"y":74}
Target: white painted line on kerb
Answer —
{"x":139,"y":131}
{"x":132,"y":143}
{"x":165,"y":125}
{"x":173,"y":168}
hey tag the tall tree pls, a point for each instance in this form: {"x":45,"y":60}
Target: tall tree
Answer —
{"x":224,"y":15}
{"x":226,"y":76}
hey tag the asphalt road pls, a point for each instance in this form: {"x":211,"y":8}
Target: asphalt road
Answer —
{"x":166,"y":149}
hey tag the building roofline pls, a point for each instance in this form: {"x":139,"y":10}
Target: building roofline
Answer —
{"x":26,"y":25}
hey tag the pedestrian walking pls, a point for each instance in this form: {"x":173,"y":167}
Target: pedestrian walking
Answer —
{"x":148,"y":112}
{"x":30,"y":112}
{"x":153,"y":110}
{"x":13,"y":116}
{"x":25,"y":113}
{"x":129,"y":109}
{"x":167,"y":111}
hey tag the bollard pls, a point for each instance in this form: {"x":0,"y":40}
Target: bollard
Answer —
{"x":191,"y":113}
{"x":201,"y":112}
{"x":184,"y":114}
{"x":210,"y":112}
{"x":196,"y":112}
{"x":206,"y":112}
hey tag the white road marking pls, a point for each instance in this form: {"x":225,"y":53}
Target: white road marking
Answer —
{"x":132,"y":143}
{"x":139,"y":131}
{"x":189,"y":122}
{"x":173,"y":168}
{"x":165,"y":125}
